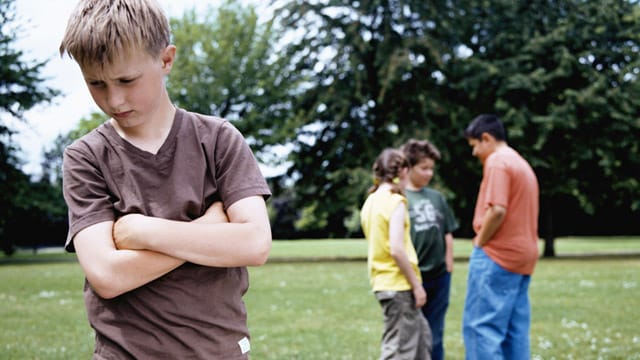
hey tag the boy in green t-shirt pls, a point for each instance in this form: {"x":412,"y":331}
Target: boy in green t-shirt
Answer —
{"x":432,"y":224}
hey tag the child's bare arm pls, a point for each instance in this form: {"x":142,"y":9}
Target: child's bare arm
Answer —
{"x":112,"y":272}
{"x":213,"y":215}
{"x":127,"y":232}
{"x":398,"y":253}
{"x":244,"y":240}
{"x":448,"y":237}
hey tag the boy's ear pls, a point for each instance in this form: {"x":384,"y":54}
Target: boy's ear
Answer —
{"x":485,"y":136}
{"x":168,"y":56}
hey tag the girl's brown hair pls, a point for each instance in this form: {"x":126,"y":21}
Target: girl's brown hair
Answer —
{"x":386,"y":169}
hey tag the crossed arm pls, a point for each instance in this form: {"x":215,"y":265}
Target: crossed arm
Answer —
{"x":136,"y":249}
{"x":398,"y":253}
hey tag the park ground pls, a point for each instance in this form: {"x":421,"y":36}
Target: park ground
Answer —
{"x":312,"y":301}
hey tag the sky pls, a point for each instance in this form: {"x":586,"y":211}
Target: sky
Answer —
{"x":43,"y":25}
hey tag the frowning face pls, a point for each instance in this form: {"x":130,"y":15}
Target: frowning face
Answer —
{"x":130,"y":89}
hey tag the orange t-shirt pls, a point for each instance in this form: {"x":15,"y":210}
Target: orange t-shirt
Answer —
{"x":508,"y":180}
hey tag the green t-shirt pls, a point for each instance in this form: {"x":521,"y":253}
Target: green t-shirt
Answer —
{"x":431,"y":218}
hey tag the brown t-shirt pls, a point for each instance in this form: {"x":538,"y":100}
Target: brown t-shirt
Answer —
{"x":193,"y":312}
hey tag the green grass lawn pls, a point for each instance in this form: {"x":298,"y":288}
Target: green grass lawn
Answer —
{"x":582,"y":309}
{"x":357,"y":248}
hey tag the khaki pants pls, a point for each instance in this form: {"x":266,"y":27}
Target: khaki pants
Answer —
{"x":406,"y":334}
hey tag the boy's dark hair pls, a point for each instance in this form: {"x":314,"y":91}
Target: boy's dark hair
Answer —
{"x":417,"y":150}
{"x":485,"y":123}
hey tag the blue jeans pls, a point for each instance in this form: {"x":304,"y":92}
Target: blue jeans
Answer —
{"x":435,"y":310}
{"x":497,"y":316}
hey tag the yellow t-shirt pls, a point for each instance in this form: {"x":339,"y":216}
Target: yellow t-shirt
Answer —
{"x":384,"y":273}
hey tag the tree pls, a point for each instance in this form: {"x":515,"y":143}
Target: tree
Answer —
{"x":21,"y":85}
{"x":38,"y":205}
{"x":20,"y":89}
{"x":52,"y":158}
{"x":369,"y":71}
{"x":226,"y":66}
{"x":563,"y":75}
{"x":12,"y":182}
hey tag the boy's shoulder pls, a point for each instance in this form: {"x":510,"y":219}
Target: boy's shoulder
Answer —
{"x":91,"y":139}
{"x":427,"y":192}
{"x":196,"y":116}
{"x":204,"y":122}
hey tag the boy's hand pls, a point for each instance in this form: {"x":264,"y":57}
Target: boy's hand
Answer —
{"x":125,"y":230}
{"x":214,"y":215}
{"x":449,"y":262}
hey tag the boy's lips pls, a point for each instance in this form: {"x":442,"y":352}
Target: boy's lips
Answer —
{"x":122,"y":115}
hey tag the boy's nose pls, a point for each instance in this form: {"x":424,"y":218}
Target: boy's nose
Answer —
{"x":115,"y":98}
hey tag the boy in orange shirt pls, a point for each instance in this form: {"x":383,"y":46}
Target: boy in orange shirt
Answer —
{"x":496,"y":317}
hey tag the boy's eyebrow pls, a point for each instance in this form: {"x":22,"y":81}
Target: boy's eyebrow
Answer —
{"x":118,"y":77}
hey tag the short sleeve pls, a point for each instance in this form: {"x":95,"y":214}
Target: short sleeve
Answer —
{"x":85,"y":191}
{"x":450,"y":222}
{"x":237,"y":172}
{"x":497,"y":183}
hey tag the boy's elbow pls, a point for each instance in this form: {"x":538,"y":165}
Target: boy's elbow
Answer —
{"x":498,"y":211}
{"x":260,"y":259}
{"x":104,"y":284}
{"x":107,"y":293}
{"x":105,"y":288}
{"x":262,"y":248}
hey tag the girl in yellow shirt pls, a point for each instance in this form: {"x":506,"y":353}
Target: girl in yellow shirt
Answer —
{"x":392,"y":261}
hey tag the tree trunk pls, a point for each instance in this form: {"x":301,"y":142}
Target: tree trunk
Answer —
{"x":547,"y":228}
{"x":549,"y":248}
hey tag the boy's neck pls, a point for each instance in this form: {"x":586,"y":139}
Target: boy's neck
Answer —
{"x":151,"y":134}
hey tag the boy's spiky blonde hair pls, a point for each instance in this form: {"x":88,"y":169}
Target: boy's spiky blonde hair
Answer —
{"x":98,"y":31}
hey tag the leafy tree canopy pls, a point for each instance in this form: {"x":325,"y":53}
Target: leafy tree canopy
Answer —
{"x":20,"y":89}
{"x":562,"y":74}
{"x":226,"y":66}
{"x":20,"y":81}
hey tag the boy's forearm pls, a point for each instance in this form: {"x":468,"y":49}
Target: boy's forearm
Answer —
{"x":210,"y":240}
{"x":221,"y":245}
{"x":448,"y":238}
{"x":131,"y":269}
{"x":112,"y":272}
{"x":132,"y":231}
{"x":492,"y":221}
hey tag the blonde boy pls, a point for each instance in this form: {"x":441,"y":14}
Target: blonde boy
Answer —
{"x":165,"y":261}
